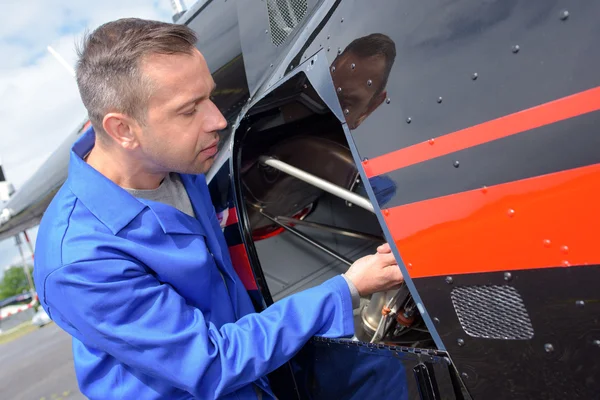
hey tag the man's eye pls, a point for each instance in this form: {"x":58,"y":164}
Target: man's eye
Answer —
{"x":190,"y":112}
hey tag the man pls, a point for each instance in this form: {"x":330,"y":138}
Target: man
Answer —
{"x":360,"y":74}
{"x":130,"y":257}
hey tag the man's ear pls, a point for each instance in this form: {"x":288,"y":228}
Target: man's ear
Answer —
{"x":121,"y":129}
{"x":373,"y":104}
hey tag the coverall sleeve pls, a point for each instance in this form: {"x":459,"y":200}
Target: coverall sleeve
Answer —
{"x":116,"y":306}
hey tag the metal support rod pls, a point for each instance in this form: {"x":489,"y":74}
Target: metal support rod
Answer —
{"x":318,"y":182}
{"x":332,"y":229}
{"x":309,"y":240}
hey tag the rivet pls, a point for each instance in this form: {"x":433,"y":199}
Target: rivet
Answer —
{"x":369,"y":82}
{"x":547,"y":243}
{"x":484,"y":190}
{"x":564,"y":249}
{"x":328,"y":48}
{"x":516,"y":48}
{"x":436,"y":320}
{"x":507,"y":276}
{"x":439,"y":100}
{"x":332,"y":69}
{"x":266,"y":31}
{"x":464,"y":375}
{"x":346,"y":111}
{"x":431,"y":141}
{"x":271,"y":65}
{"x":328,"y":37}
{"x":511,"y":212}
{"x":548,"y":347}
{"x":339,"y":90}
{"x":449,"y":280}
{"x":596,"y":342}
{"x":460,"y":342}
{"x":580,"y":303}
{"x":409,"y":265}
{"x":408,"y":120}
{"x":386,"y":212}
{"x":352,"y":66}
{"x":564,"y":15}
{"x":388,"y":100}
{"x":475,"y":76}
{"x":456,"y":164}
{"x":342,"y":20}
{"x":566,"y":263}
{"x":339,"y":50}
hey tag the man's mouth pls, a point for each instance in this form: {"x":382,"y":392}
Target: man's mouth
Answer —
{"x":211,"y":150}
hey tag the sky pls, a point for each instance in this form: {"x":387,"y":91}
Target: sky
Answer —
{"x":39,"y":101}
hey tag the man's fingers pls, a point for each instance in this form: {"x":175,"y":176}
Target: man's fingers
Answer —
{"x":387,"y":259}
{"x":384,"y":248}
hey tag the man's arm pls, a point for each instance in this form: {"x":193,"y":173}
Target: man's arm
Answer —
{"x":116,"y":306}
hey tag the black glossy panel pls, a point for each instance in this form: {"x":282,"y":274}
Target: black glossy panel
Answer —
{"x":564,"y":145}
{"x":526,"y":369}
{"x":332,"y":369}
{"x":440,"y":45}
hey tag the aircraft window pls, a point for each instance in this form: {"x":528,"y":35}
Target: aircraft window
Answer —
{"x":307,"y":210}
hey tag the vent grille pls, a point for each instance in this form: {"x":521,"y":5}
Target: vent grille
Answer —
{"x":284,"y":16}
{"x":492,"y":312}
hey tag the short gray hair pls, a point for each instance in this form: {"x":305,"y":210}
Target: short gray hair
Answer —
{"x":108,"y":70}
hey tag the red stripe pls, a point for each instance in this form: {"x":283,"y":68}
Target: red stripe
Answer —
{"x":232,"y":217}
{"x":546,"y":221}
{"x":558,"y":110}
{"x":241,"y":264}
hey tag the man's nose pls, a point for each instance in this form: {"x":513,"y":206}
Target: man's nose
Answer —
{"x":217,"y":121}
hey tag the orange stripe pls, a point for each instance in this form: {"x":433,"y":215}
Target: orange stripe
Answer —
{"x":546,"y":221}
{"x":241,"y":264}
{"x":558,"y":110}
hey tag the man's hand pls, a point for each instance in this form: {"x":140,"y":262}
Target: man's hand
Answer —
{"x":376,"y":273}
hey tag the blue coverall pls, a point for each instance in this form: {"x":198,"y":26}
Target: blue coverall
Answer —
{"x":137,"y":285}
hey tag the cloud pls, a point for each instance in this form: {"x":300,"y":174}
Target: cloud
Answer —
{"x":39,"y":101}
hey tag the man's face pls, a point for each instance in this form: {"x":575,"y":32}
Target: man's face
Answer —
{"x":356,"y":95}
{"x":182,"y":122}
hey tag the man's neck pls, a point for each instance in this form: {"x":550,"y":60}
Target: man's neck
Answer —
{"x":122,"y":170}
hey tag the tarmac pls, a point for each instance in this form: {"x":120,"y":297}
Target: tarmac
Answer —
{"x":39,"y":366}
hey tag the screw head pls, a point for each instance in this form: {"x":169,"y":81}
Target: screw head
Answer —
{"x":516,"y":48}
{"x":388,"y":100}
{"x":369,"y":82}
{"x":352,"y":66}
{"x":266,"y":31}
{"x":596,"y":342}
{"x":436,"y":320}
{"x":342,"y":20}
{"x":449,"y":280}
{"x":464,"y":375}
{"x":439,"y":100}
{"x":460,"y":342}
{"x":564,"y":249}
{"x":564,"y":15}
{"x":408,"y":120}
{"x":339,"y":50}
{"x":456,"y":164}
{"x":548,"y":347}
{"x":510,"y":212}
{"x":332,"y":69}
{"x":580,"y":303}
{"x":547,"y":243}
{"x":507,"y":276}
{"x":346,"y":111}
{"x":339,"y":90}
{"x":431,"y":141}
{"x":475,"y":76}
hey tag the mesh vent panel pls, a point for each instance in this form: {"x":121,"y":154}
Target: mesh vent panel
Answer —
{"x":492,"y":312}
{"x":284,"y":16}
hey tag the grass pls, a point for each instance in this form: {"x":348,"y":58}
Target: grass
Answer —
{"x":17,"y":332}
